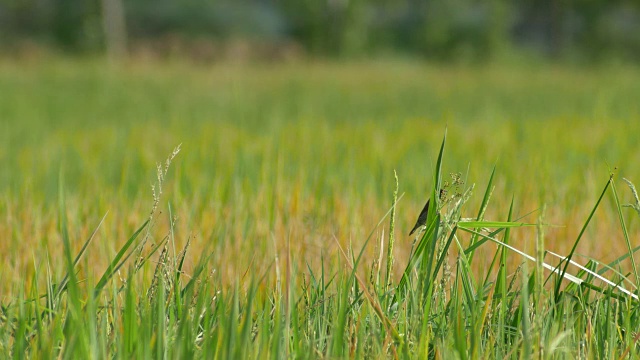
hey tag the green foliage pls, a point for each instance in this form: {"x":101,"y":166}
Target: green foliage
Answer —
{"x":452,"y":30}
{"x":123,"y":292}
{"x":471,"y":318}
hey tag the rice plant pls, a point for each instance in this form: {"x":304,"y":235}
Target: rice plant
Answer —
{"x":147,"y":305}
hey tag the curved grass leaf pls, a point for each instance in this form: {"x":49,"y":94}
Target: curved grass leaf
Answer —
{"x":114,"y":265}
{"x":433,"y":223}
{"x":483,"y":208}
{"x":575,"y":244}
{"x":492,"y":224}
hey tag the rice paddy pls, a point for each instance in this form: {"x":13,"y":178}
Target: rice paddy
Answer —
{"x":266,"y":233}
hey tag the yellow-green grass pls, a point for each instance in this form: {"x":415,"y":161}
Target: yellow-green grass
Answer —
{"x":279,"y":165}
{"x":304,"y":152}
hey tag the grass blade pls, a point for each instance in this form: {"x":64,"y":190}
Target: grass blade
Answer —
{"x":433,"y":223}
{"x":625,"y":232}
{"x":63,"y":283}
{"x":483,"y":208}
{"x":114,"y":263}
{"x":492,"y":224}
{"x":575,"y":244}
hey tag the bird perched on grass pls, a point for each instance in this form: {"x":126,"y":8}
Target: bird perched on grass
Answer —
{"x":422,"y":218}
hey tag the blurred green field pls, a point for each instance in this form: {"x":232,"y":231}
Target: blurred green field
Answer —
{"x":305,"y":151}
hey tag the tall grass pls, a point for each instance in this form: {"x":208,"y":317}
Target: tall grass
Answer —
{"x":303,"y":149}
{"x":268,"y":237}
{"x":441,"y":307}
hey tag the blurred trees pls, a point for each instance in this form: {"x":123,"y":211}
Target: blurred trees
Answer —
{"x":438,"y":29}
{"x":114,"y":27}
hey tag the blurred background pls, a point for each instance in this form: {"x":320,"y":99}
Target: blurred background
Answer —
{"x":445,"y":30}
{"x":294,"y":114}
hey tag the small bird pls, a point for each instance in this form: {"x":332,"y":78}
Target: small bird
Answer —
{"x":422,"y":219}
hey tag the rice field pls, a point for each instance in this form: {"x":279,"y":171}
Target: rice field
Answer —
{"x":281,"y":182}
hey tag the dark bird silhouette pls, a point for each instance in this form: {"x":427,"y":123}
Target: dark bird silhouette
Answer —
{"x":422,"y":219}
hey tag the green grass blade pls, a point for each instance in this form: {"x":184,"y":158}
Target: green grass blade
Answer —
{"x":482,"y":240}
{"x":443,"y":256}
{"x":492,"y":224}
{"x":427,"y":265}
{"x":114,"y":263}
{"x":415,"y":257}
{"x":391,"y":236}
{"x":63,"y":283}
{"x":625,"y":232}
{"x":617,"y":261}
{"x":432,"y":225}
{"x":483,"y":208}
{"x":575,"y":244}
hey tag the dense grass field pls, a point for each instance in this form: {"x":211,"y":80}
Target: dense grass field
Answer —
{"x":280,"y":167}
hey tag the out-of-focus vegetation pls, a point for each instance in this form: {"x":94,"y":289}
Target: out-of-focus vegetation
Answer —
{"x":283,"y":164}
{"x":264,"y":237}
{"x":461,"y":30}
{"x":306,"y":149}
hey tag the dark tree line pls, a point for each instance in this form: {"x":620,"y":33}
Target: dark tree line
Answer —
{"x":438,"y":29}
